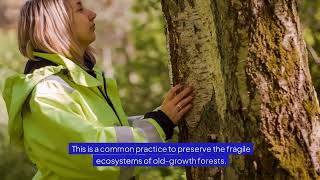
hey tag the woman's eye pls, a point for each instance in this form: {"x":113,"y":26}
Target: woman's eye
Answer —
{"x":81,"y":9}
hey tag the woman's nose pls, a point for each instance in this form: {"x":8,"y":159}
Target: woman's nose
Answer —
{"x":92,"y":15}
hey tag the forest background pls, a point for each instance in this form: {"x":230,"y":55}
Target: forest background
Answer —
{"x":131,"y":47}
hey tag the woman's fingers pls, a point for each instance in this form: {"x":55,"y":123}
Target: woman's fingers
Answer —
{"x":184,"y":110}
{"x":185,"y":101}
{"x":173,"y":91}
{"x":177,"y":102}
{"x":182,"y":94}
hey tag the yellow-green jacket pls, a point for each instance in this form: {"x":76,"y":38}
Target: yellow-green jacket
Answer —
{"x":56,"y":105}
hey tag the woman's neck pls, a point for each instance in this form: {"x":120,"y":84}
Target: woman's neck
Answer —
{"x":82,"y":53}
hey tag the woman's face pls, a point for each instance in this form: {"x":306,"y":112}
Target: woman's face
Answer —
{"x":83,"y":23}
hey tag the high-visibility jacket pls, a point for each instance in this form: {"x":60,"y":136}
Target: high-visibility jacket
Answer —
{"x":56,"y":105}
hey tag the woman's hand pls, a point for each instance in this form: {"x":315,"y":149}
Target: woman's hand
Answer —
{"x":177,"y":102}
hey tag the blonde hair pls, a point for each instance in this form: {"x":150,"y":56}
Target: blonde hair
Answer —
{"x":46,"y":26}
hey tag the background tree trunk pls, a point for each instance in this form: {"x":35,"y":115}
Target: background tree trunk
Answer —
{"x":248,"y":63}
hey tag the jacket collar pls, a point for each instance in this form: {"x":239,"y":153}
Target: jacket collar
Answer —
{"x":78,"y":74}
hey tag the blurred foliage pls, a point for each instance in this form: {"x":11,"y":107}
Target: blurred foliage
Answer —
{"x":14,"y":164}
{"x":10,"y":56}
{"x":310,"y":20}
{"x":145,"y":73}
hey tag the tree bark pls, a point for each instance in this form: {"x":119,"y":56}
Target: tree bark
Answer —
{"x":248,"y":63}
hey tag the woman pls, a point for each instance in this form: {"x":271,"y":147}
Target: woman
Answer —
{"x":63,"y":98}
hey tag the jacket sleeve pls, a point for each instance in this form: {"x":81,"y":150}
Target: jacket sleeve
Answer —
{"x":132,"y":119}
{"x":160,"y":117}
{"x":56,"y":119}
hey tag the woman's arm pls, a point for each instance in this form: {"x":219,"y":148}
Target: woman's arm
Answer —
{"x":56,"y":120}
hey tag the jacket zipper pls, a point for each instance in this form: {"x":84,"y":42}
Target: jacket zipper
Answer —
{"x":107,"y":98}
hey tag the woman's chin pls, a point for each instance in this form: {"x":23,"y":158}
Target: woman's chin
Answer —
{"x":93,"y":38}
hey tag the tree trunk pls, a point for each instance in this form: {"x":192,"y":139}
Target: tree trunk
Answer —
{"x":248,"y":63}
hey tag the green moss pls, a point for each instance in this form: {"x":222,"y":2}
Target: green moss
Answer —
{"x":293,"y":160}
{"x":311,"y":108}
